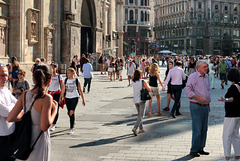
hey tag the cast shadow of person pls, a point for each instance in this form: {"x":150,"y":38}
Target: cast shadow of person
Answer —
{"x":103,"y":141}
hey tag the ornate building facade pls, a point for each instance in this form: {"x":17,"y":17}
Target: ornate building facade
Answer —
{"x":137,"y":26}
{"x":198,"y":26}
{"x":59,"y":29}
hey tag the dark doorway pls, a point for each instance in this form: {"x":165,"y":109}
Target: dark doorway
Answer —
{"x":86,"y":40}
{"x":87,"y":16}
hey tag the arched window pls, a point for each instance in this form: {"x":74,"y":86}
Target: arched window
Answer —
{"x":142,"y":16}
{"x":131,"y":15}
{"x":199,"y":18}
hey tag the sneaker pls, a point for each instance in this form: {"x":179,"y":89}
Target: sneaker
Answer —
{"x":166,"y":109}
{"x":142,"y":131}
{"x":70,"y":131}
{"x":83,"y":90}
{"x":52,"y":128}
{"x":134,"y":131}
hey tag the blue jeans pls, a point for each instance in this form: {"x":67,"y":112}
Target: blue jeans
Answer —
{"x":199,"y":126}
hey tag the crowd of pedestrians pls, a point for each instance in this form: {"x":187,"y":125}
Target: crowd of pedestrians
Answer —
{"x":51,"y":91}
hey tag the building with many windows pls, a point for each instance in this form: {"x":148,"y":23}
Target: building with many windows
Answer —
{"x":137,"y":26}
{"x":59,"y":29}
{"x":198,"y":26}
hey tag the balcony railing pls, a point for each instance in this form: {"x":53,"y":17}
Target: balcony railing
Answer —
{"x":131,"y":22}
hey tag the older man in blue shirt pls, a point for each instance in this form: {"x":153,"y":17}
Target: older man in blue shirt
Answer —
{"x":198,"y":92}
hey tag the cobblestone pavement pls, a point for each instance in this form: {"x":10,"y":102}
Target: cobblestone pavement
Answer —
{"x":103,"y":127}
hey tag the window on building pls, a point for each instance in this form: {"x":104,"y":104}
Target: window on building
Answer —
{"x":235,"y":8}
{"x":199,"y":32}
{"x":235,"y":33}
{"x":226,"y":32}
{"x":146,"y":3}
{"x":143,"y":33}
{"x":141,"y":47}
{"x":226,"y":8}
{"x":216,"y":7}
{"x":225,"y":19}
{"x":199,"y":44}
{"x":177,"y":9}
{"x":183,"y":32}
{"x":217,"y":32}
{"x":142,"y":16}
{"x":235,"y":20}
{"x":235,"y":45}
{"x":188,"y":31}
{"x":188,"y":43}
{"x":176,"y":33}
{"x":199,"y":5}
{"x":199,"y":18}
{"x":183,"y":7}
{"x":146,"y":16}
{"x":216,"y":19}
{"x":131,"y":32}
{"x":131,"y":15}
{"x":141,"y":2}
{"x":217,"y":45}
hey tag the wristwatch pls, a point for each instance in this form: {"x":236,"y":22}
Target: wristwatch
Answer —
{"x":226,"y":99}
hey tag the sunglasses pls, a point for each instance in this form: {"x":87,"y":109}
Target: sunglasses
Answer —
{"x":20,"y":74}
{"x":37,"y":61}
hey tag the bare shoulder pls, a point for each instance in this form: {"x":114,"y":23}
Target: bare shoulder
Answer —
{"x":45,"y":99}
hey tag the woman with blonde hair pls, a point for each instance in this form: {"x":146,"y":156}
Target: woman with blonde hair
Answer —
{"x":153,"y":77}
{"x":73,"y":90}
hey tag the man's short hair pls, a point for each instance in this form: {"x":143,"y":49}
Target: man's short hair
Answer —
{"x":178,"y":63}
{"x":200,"y":62}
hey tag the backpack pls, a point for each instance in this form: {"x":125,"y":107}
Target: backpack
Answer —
{"x":76,"y":81}
{"x":22,"y":135}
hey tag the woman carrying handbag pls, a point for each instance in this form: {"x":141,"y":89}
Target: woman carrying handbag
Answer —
{"x":138,"y":85}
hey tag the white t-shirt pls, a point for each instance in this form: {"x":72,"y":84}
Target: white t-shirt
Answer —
{"x":131,"y":69}
{"x":137,"y":87}
{"x":55,"y":86}
{"x":71,"y":89}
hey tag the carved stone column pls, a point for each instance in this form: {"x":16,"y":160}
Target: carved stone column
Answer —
{"x":48,"y":43}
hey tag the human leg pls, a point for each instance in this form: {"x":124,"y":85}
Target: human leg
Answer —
{"x":56,"y":98}
{"x":89,"y":84}
{"x":204,"y":119}
{"x":236,"y":138}
{"x":85,"y":84}
{"x":176,"y":90}
{"x":71,"y":106}
{"x":159,"y":104}
{"x":196,"y":127}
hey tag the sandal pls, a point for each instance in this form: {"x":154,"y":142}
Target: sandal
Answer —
{"x":159,"y":113}
{"x":149,"y":114}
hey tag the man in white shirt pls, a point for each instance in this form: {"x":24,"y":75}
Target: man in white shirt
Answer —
{"x":176,"y":75}
{"x":7,"y":102}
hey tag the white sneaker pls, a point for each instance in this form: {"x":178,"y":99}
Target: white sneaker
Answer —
{"x":70,"y":131}
{"x":52,"y":128}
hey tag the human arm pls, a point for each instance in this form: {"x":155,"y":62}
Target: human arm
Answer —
{"x":17,"y":111}
{"x":167,"y":80}
{"x":81,"y":93}
{"x":159,"y":79}
{"x":32,"y":68}
{"x":48,"y":112}
{"x":63,"y":88}
{"x":231,"y":99}
{"x":145,"y":84}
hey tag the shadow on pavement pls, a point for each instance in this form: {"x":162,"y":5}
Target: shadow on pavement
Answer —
{"x":187,"y":157}
{"x":103,"y":141}
{"x":58,"y":133}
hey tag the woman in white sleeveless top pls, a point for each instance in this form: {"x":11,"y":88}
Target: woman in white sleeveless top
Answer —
{"x":43,"y":113}
{"x":138,"y":84}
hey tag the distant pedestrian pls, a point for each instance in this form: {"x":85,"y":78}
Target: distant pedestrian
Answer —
{"x":153,"y":79}
{"x":222,"y":66}
{"x":232,"y":116}
{"x":21,"y":85}
{"x":138,"y":84}
{"x":34,"y":67}
{"x":43,"y":61}
{"x":130,"y":70}
{"x":54,"y":89}
{"x":73,"y":90}
{"x":177,"y":76}
{"x":7,"y":102}
{"x":14,"y":69}
{"x":211,"y":73}
{"x":198,"y":92}
{"x":87,"y":74}
{"x":191,"y":66}
{"x":101,"y":63}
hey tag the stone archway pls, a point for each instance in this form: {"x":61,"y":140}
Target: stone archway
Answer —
{"x":88,"y":21}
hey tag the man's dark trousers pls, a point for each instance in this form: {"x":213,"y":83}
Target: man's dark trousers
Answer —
{"x":176,"y":91}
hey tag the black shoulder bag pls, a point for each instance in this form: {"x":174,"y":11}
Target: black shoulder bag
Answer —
{"x":22,"y":135}
{"x":144,"y":93}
